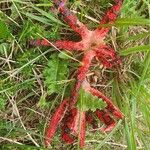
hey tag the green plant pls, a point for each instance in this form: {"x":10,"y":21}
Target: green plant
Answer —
{"x":55,"y":74}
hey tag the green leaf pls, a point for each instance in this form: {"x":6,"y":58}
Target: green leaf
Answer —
{"x":55,"y":74}
{"x":4,"y":32}
{"x":136,"y":49}
{"x":87,"y":101}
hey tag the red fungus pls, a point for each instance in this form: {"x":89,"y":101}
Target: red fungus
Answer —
{"x":93,"y":45}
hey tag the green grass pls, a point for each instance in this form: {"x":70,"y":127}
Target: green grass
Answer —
{"x":29,"y":93}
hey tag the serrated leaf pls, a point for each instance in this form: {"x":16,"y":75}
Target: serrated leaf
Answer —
{"x":55,"y":73}
{"x":87,"y":101}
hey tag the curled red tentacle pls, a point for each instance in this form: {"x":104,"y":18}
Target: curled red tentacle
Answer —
{"x":106,"y":119}
{"x":110,"y":106}
{"x":90,"y":120}
{"x":108,"y":56}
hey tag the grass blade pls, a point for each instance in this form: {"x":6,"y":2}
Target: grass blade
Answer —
{"x":40,"y":19}
{"x":136,"y":49}
{"x":109,"y":135}
{"x":48,"y":15}
{"x":132,"y":21}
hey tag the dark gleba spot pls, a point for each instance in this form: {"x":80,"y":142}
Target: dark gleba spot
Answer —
{"x":93,"y":44}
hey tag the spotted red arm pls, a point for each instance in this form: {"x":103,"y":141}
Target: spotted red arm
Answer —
{"x":71,"y":19}
{"x":82,"y":71}
{"x":82,"y":129}
{"x":70,"y":126}
{"x":54,"y":122}
{"x":66,"y":45}
{"x":109,"y":18}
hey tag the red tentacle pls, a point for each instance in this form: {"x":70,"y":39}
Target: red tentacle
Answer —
{"x":75,"y":123}
{"x":65,"y":136}
{"x":82,"y":75}
{"x":110,"y":106}
{"x":112,"y":14}
{"x":40,"y":42}
{"x":71,"y":19}
{"x":66,"y":45}
{"x":54,"y":122}
{"x":69,"y":45}
{"x":82,"y":129}
{"x":109,"y":18}
{"x":107,"y":56}
{"x":91,"y":120}
{"x":106,"y":119}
